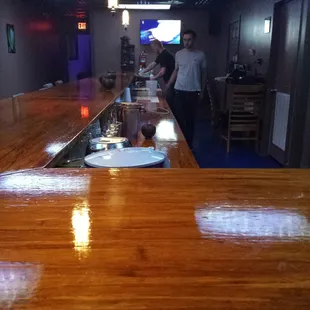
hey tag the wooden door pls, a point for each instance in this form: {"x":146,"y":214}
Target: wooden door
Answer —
{"x":284,"y":52}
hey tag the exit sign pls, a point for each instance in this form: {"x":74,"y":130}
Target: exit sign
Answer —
{"x":82,"y":25}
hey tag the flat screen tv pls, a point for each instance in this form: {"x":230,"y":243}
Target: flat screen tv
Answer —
{"x":166,"y":31}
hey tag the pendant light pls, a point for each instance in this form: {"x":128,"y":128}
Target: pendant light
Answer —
{"x":125,"y":19}
{"x":113,"y":4}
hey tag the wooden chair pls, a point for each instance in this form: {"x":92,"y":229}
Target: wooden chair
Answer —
{"x":244,"y":102}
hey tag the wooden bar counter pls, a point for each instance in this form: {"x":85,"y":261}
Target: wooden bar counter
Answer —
{"x":133,"y":239}
{"x":138,"y":239}
{"x":37,"y":127}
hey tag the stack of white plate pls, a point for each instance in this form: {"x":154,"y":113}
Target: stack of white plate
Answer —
{"x":134,"y":157}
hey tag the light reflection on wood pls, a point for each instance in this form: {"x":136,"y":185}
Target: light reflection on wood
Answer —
{"x":81,"y":228}
{"x":18,"y":283}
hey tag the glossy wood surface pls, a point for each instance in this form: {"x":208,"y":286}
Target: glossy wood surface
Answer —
{"x":155,"y":239}
{"x":169,"y":138}
{"x":35,"y":127}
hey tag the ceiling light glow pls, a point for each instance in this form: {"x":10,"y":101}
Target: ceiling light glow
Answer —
{"x":144,"y":6}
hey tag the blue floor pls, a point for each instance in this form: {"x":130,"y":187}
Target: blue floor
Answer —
{"x":210,"y":150}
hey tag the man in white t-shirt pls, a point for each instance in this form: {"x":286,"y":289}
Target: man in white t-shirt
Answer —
{"x":190,"y":77}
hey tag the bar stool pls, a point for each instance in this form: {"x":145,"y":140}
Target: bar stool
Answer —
{"x":48,"y":85}
{"x":18,"y":95}
{"x":59,"y":82}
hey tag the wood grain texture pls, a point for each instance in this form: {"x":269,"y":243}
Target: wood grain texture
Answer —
{"x":36,"y":127}
{"x":169,"y":138}
{"x":155,"y":239}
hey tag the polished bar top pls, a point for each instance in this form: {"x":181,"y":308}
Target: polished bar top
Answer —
{"x":138,"y":239}
{"x":36,"y":127}
{"x":168,"y":139}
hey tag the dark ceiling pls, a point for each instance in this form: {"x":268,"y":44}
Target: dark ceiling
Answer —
{"x":80,"y":7}
{"x":174,"y":3}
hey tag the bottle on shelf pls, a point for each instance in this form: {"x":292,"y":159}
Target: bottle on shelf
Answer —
{"x":143,"y":59}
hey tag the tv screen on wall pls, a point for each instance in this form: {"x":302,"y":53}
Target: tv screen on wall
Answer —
{"x":166,"y":31}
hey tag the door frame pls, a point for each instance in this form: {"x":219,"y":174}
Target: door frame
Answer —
{"x":299,"y":93}
{"x":305,"y":161}
{"x":228,"y":45}
{"x":297,"y":124}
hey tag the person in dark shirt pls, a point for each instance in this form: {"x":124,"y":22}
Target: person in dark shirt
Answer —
{"x":164,"y":59}
{"x":167,"y":66}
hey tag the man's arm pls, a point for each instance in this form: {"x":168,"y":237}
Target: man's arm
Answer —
{"x":160,"y":74}
{"x":203,"y":79}
{"x":150,"y":67}
{"x":203,"y":75}
{"x":173,"y":77}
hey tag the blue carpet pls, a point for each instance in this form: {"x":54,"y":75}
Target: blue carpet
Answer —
{"x":210,"y":150}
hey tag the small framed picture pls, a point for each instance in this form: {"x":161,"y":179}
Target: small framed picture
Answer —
{"x":10,"y":33}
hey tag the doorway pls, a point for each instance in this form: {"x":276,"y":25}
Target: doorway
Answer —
{"x":285,"y":47}
{"x":79,"y":56}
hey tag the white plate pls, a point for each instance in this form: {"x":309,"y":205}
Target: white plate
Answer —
{"x":133,"y":157}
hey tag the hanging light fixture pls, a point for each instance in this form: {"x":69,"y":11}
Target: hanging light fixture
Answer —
{"x":113,"y":4}
{"x":125,"y":19}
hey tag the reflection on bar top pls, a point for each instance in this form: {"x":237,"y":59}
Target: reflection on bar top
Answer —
{"x":254,"y":222}
{"x":32,"y":183}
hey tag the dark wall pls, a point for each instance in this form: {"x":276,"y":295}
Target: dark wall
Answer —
{"x":252,"y":36}
{"x":38,"y":57}
{"x":107,"y":30}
